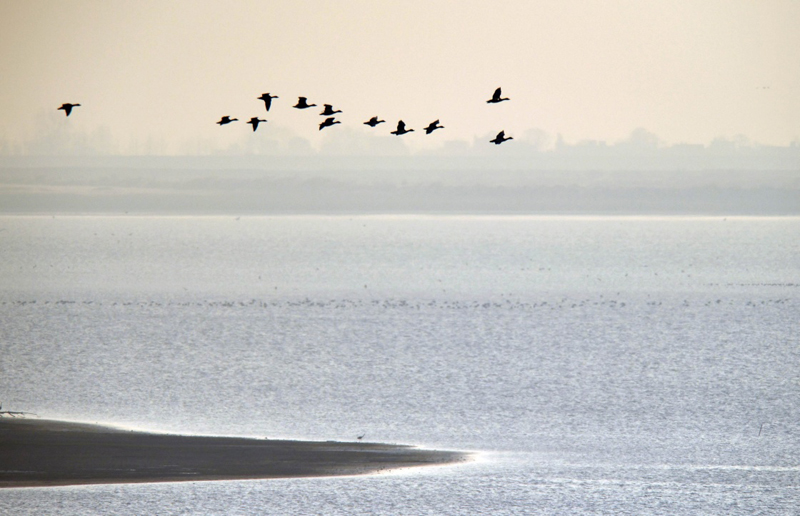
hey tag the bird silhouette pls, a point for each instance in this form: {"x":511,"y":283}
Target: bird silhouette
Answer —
{"x":500,"y":138}
{"x":401,"y":129}
{"x":67,"y":107}
{"x":328,"y":111}
{"x":267,"y":98}
{"x":496,"y":97}
{"x":302,"y":103}
{"x":328,"y":122}
{"x":226,"y":120}
{"x":359,"y":437}
{"x":254,"y":122}
{"x":433,"y":126}
{"x":372,"y":122}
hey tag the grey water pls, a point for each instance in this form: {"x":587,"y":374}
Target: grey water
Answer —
{"x":595,"y":365}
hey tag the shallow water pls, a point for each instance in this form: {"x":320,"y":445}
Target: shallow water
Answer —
{"x":599,"y":365}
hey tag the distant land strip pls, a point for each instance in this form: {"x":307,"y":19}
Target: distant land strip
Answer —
{"x":37,"y":452}
{"x":345,"y":187}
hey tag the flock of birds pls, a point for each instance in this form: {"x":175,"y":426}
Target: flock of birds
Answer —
{"x":330,"y":120}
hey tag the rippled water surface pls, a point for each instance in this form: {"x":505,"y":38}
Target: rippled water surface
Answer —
{"x":597,"y":365}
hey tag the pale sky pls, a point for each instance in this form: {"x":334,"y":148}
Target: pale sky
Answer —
{"x":155,"y":76}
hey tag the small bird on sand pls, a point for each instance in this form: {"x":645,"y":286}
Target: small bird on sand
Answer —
{"x":67,"y":107}
{"x":372,"y":122}
{"x":328,"y":122}
{"x":401,"y":129}
{"x":433,"y":126}
{"x":361,"y":436}
{"x":500,"y":138}
{"x":302,"y":103}
{"x":496,"y":97}
{"x":226,"y":120}
{"x":267,"y":98}
{"x":328,"y":111}
{"x":254,"y":122}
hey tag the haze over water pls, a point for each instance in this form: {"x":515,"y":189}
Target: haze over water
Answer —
{"x":597,"y":364}
{"x":645,"y":363}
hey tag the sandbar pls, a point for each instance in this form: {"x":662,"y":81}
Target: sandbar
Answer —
{"x":39,"y":452}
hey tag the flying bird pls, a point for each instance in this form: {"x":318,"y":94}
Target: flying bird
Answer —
{"x":401,"y":129}
{"x":226,"y":120}
{"x":302,"y":103}
{"x":500,"y":138}
{"x":433,"y":126}
{"x":372,"y":122}
{"x":254,"y":122}
{"x":328,"y":111}
{"x":267,"y":98}
{"x":496,"y":97}
{"x":67,"y":107}
{"x":328,"y":122}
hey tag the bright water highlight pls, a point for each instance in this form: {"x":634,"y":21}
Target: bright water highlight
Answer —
{"x":600,"y":365}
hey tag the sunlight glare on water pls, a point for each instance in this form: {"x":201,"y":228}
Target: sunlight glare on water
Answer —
{"x":600,"y":365}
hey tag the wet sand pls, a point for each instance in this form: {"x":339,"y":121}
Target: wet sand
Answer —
{"x":36,"y":452}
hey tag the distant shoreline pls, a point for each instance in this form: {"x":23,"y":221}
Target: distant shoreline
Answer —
{"x":163,"y":189}
{"x":38,"y":453}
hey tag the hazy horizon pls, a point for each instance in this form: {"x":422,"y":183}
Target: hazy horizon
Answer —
{"x":602,"y":307}
{"x":152,"y":79}
{"x":61,"y":139}
{"x":615,"y":107}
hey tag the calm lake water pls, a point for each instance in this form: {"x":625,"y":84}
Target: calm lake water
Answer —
{"x":596,"y":365}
